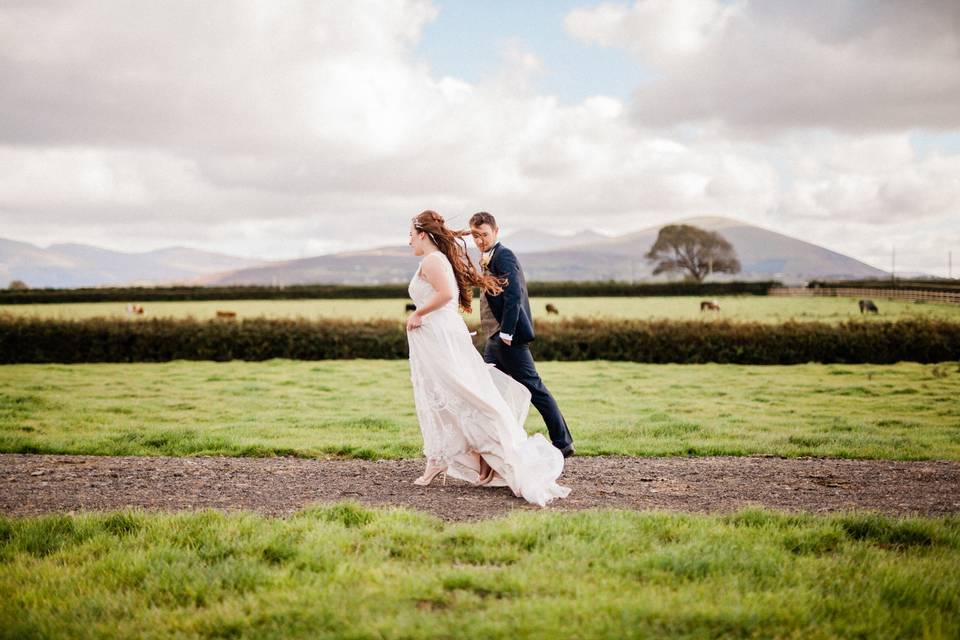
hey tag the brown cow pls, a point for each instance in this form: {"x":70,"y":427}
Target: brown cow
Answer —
{"x":227,"y":315}
{"x":551,"y":309}
{"x":709,"y":305}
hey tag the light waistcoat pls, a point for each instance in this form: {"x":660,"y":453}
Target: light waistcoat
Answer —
{"x":488,"y":322}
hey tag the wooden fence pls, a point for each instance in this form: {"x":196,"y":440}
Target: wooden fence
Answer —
{"x":894,"y":294}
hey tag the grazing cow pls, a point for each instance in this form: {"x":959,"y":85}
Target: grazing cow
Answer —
{"x":551,"y":309}
{"x":410,"y":307}
{"x":868,"y":306}
{"x":709,"y":305}
{"x":135,"y":309}
{"x":227,"y":315}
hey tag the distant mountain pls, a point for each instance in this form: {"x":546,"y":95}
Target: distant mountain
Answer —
{"x":80,"y":265}
{"x":763,"y":254}
{"x":531,"y":240}
{"x":391,"y":264}
{"x":383,"y":264}
{"x":588,"y":255}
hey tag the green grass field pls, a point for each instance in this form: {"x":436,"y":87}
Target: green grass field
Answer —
{"x":344,"y":571}
{"x":364,"y":408}
{"x":740,"y":308}
{"x":349,"y":572}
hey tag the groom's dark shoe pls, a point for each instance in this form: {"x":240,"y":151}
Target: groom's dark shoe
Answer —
{"x":568,"y":451}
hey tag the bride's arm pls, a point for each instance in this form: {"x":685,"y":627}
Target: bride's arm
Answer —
{"x":433,"y":272}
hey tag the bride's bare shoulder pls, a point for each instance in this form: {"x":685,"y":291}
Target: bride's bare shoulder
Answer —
{"x":435,"y":257}
{"x":430,"y":264}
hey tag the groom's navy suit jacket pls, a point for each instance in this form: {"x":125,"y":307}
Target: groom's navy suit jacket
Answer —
{"x":512,"y":310}
{"x":512,"y":307}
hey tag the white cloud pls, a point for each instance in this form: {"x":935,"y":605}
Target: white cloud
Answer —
{"x":275,"y":113}
{"x":874,"y":179}
{"x":284,"y":129}
{"x":657,"y":30}
{"x":761,"y":67}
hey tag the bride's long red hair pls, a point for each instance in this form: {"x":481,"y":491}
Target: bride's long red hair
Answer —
{"x":452,"y":244}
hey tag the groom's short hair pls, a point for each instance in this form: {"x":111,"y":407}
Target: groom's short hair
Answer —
{"x":482,"y":217}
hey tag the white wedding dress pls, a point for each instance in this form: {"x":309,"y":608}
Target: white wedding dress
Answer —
{"x":468,"y":408}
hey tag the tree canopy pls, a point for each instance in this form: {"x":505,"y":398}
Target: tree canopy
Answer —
{"x":696,"y":251}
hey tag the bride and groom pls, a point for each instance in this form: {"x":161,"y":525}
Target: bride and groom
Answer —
{"x":472,"y":409}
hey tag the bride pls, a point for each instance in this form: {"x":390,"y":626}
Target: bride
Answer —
{"x":471,"y":414}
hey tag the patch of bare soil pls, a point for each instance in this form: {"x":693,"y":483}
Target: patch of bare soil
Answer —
{"x":35,"y":484}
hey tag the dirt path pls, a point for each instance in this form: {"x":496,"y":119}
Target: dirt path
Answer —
{"x":34,"y":484}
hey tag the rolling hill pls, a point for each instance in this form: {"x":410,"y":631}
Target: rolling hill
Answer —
{"x":588,"y":255}
{"x":763,"y":254}
{"x":81,"y":265}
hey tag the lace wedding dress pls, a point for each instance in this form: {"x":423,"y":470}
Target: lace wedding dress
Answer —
{"x":468,"y":408}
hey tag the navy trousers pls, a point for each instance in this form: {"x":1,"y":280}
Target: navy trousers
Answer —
{"x":516,"y":362}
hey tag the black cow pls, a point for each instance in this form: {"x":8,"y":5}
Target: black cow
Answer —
{"x":410,"y":307}
{"x":868,"y":306}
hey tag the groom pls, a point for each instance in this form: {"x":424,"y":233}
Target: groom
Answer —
{"x":506,"y":321}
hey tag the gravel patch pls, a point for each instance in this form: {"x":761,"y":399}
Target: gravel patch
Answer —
{"x":36,"y":484}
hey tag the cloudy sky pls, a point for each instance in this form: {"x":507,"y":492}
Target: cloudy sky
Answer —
{"x":281,"y":129}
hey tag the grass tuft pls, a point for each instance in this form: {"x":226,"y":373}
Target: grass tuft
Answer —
{"x":343,"y":570}
{"x":876,"y":529}
{"x":364,"y":409}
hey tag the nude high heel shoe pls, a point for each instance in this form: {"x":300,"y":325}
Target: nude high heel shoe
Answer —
{"x":486,"y":475}
{"x":430,"y":474}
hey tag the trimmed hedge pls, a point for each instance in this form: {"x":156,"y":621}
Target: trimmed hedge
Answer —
{"x":693,"y":341}
{"x":919,"y":284}
{"x":335,"y":291}
{"x":175,"y":294}
{"x":40,"y":340}
{"x":164,"y":339}
{"x":627,"y":289}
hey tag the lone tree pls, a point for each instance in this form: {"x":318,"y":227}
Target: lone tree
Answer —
{"x":18,"y":284}
{"x":681,"y":247}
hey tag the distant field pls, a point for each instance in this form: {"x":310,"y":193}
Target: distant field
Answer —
{"x":364,"y":408}
{"x":742,"y":308}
